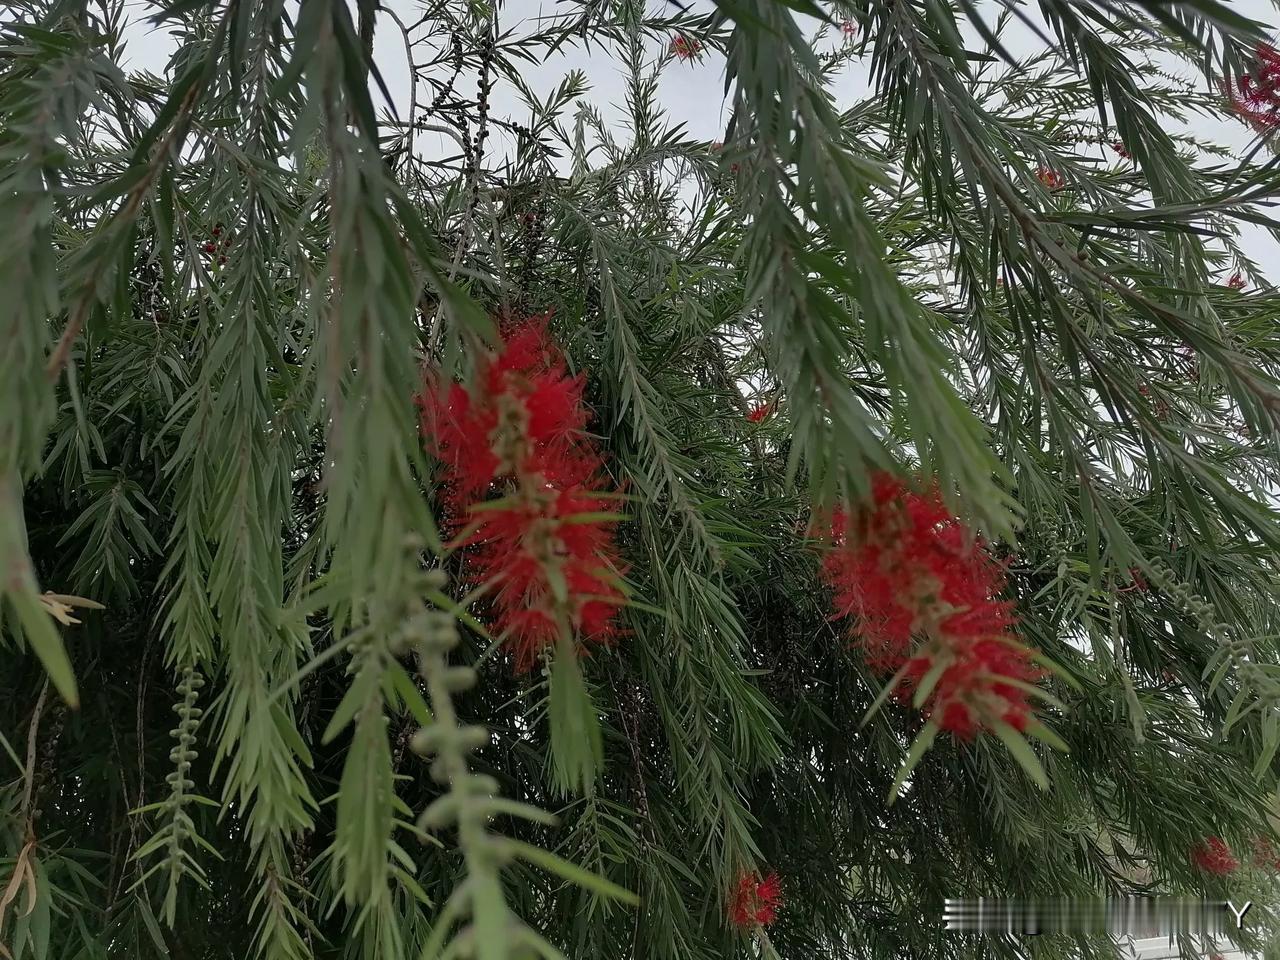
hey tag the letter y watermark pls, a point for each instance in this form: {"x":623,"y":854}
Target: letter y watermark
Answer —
{"x":1239,"y":914}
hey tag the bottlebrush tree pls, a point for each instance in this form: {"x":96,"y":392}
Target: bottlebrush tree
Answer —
{"x":590,"y":541}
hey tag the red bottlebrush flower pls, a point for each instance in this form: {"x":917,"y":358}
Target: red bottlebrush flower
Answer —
{"x":1137,"y":581}
{"x":759,"y":412}
{"x":1237,"y":281}
{"x":1255,"y":96}
{"x":550,"y":562}
{"x":969,"y":692}
{"x":1160,"y":406}
{"x":754,"y":902}
{"x":849,"y":29}
{"x":1122,"y":150}
{"x":1050,"y":178}
{"x":686,"y":48}
{"x":1265,"y":855}
{"x":923,"y":595}
{"x":217,"y":231}
{"x":1214,"y":856}
{"x":210,"y":247}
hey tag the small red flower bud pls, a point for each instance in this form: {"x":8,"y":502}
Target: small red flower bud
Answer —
{"x":210,"y":247}
{"x":1236,"y":282}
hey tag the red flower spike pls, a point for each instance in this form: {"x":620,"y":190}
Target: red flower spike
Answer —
{"x":754,"y":902}
{"x":1255,"y":96}
{"x":520,"y":433}
{"x":686,"y":48}
{"x":210,"y":247}
{"x":849,"y":29}
{"x":1122,"y":150}
{"x":1137,"y":582}
{"x":1236,"y":282}
{"x":922,"y":593}
{"x":1050,"y":178}
{"x":760,"y":412}
{"x":1264,"y":854}
{"x":1214,"y":856}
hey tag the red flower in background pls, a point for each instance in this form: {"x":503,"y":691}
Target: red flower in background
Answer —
{"x":1264,"y":854}
{"x":1137,"y":582}
{"x":1255,"y":97}
{"x":1122,"y":150}
{"x":686,"y":48}
{"x":754,"y":902}
{"x":759,"y":412}
{"x":1050,"y":178}
{"x":550,"y":562}
{"x":923,"y":596}
{"x":1214,"y":856}
{"x":849,"y":29}
{"x":1237,"y":281}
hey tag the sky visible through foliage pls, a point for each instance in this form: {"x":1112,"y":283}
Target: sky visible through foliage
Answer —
{"x":693,"y":94}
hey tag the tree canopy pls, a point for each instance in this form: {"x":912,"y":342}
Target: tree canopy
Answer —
{"x":592,"y":541}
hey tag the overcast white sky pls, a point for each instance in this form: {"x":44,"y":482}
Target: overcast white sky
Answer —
{"x":692,"y":93}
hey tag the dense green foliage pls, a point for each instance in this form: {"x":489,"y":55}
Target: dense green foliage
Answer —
{"x":221,"y":287}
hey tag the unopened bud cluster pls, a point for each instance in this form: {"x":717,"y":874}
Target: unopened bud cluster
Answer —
{"x":184,"y":752}
{"x":434,"y":635}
